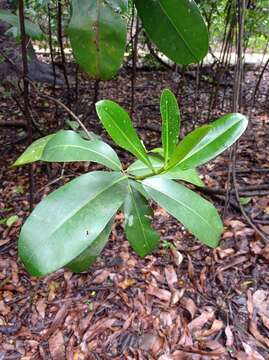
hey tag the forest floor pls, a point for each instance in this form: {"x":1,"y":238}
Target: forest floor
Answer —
{"x":185,"y":301}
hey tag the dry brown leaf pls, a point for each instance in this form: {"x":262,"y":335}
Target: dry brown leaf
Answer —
{"x":253,"y":328}
{"x":223,"y":253}
{"x":261,"y":302}
{"x":214,"y":346}
{"x":200,"y":321}
{"x":265,"y":321}
{"x":238,"y":260}
{"x":189,"y":305}
{"x":151,"y":342}
{"x":216,"y":327}
{"x":229,"y":336}
{"x":171,"y":276}
{"x":56,"y":346}
{"x":59,"y":318}
{"x":101,"y":277}
{"x":125,"y":284}
{"x":178,"y":257}
{"x":161,"y":294}
{"x":41,"y":307}
{"x":251,"y":352}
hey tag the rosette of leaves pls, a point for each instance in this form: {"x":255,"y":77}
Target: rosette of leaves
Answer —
{"x":71,"y":226}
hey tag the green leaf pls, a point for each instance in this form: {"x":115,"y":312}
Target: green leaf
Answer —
{"x":12,"y":220}
{"x":34,"y":151}
{"x":138,"y":168}
{"x":170,"y":122}
{"x":87,"y":257}
{"x":176,"y":27}
{"x":68,"y":146}
{"x":138,"y":215}
{"x":191,"y":176}
{"x":68,"y":220}
{"x":187,"y":146}
{"x":98,"y":36}
{"x":245,"y":200}
{"x":118,"y":124}
{"x":197,"y":214}
{"x":205,"y":143}
{"x":31,"y":29}
{"x":139,"y":187}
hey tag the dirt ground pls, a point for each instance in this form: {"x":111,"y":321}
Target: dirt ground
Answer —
{"x":185,"y":301}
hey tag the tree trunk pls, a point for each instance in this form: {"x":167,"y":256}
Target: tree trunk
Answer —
{"x":11,"y":61}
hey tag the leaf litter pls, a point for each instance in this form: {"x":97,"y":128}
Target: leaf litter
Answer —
{"x":185,"y":301}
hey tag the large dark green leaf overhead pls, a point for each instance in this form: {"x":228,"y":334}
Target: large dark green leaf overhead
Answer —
{"x":69,"y":220}
{"x":176,"y":27}
{"x":98,"y":32}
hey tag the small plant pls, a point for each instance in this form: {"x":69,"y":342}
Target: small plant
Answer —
{"x":71,"y":226}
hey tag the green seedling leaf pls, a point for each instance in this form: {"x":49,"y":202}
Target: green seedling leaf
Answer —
{"x":176,"y":27}
{"x":98,"y":33}
{"x":68,"y":220}
{"x":138,"y":216}
{"x":205,"y":143}
{"x":245,"y":200}
{"x":170,"y":122}
{"x":118,"y":124}
{"x":12,"y":220}
{"x":197,"y":214}
{"x":87,"y":258}
{"x":68,"y":146}
{"x":34,"y":151}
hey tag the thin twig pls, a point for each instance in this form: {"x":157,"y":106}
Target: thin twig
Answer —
{"x":27,"y":113}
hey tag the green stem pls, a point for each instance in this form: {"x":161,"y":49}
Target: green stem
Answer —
{"x":158,"y":172}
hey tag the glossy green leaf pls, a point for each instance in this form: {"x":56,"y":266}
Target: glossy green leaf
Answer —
{"x":138,"y":168}
{"x":68,"y":146}
{"x":190,"y":175}
{"x":118,"y":124}
{"x":187,"y":146}
{"x":34,"y":151}
{"x":198,"y":148}
{"x":170,"y":122}
{"x":31,"y":29}
{"x":197,"y":214}
{"x":87,"y":258}
{"x":139,"y":232}
{"x":98,"y":34}
{"x":139,"y":187}
{"x":68,"y":220}
{"x":176,"y":27}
